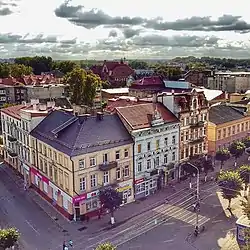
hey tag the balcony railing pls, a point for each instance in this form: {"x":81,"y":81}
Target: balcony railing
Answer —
{"x":12,"y":154}
{"x":105,"y":166}
{"x":197,"y":124}
{"x":197,"y":140}
{"x":11,"y":138}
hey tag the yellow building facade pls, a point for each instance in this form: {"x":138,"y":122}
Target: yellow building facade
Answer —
{"x":73,"y":182}
{"x":225,"y":126}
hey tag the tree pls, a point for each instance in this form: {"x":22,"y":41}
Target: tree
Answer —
{"x":64,"y":66}
{"x":106,"y":246}
{"x":135,"y":64}
{"x":222,"y":155}
{"x":18,"y":70}
{"x":168,"y":72}
{"x":246,"y":141}
{"x":8,"y":237}
{"x":6,"y":105}
{"x":4,"y":70}
{"x":230,"y":183}
{"x":83,"y":86}
{"x":111,"y":200}
{"x":244,"y":171}
{"x":236,"y":149}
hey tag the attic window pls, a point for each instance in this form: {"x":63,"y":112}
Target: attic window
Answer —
{"x":194,"y":103}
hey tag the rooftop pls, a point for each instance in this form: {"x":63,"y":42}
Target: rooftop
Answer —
{"x":13,"y":111}
{"x":137,"y":116}
{"x":116,"y":90}
{"x":77,"y":135}
{"x":232,"y":73}
{"x":210,"y":94}
{"x":220,"y":114}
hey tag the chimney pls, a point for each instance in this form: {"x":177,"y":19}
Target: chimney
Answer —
{"x":172,"y":91}
{"x":99,"y":116}
{"x":150,"y":118}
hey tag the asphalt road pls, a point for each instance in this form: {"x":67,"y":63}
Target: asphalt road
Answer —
{"x":38,"y":231}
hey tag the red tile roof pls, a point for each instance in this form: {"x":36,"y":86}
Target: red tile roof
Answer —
{"x":121,"y":102}
{"x":13,"y":111}
{"x":151,"y":80}
{"x":137,"y":115}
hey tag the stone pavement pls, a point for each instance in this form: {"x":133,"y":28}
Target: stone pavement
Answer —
{"x":124,"y":213}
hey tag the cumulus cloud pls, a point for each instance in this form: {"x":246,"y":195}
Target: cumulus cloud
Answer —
{"x":95,"y":17}
{"x":113,"y":33}
{"x":128,"y":32}
{"x":6,"y":7}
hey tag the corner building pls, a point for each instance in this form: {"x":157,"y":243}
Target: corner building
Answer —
{"x":74,"y":157}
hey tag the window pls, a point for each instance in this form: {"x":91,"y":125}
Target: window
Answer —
{"x":44,"y":150}
{"x":60,"y":177}
{"x":82,"y":184}
{"x":93,"y":180}
{"x":118,"y":173}
{"x":242,"y":127}
{"x":148,"y":164}
{"x":126,"y":171}
{"x":50,"y":153}
{"x":139,"y":148}
{"x":157,"y":161}
{"x":92,"y":205}
{"x":45,"y":167}
{"x":166,"y":141}
{"x":117,"y":155}
{"x":224,"y":133}
{"x":105,"y":158}
{"x":126,"y":154}
{"x":65,"y":162}
{"x":55,"y":156}
{"x":173,"y":156}
{"x":106,"y":178}
{"x":39,"y":147}
{"x":82,"y":163}
{"x":139,"y":167}
{"x":41,"y":164}
{"x":60,"y":159}
{"x":55,"y":175}
{"x":157,"y":144}
{"x":50,"y":171}
{"x":148,"y":146}
{"x":229,"y":131}
{"x":173,"y":139}
{"x":238,"y":128}
{"x":92,"y":161}
{"x":66,"y":181}
{"x":233,"y":130}
{"x":166,"y":159}
{"x":219,"y":134}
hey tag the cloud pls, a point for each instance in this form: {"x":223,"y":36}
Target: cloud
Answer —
{"x":140,"y":46}
{"x":6,"y":7}
{"x":128,"y":32}
{"x":28,"y":39}
{"x":113,"y":33}
{"x":93,"y":18}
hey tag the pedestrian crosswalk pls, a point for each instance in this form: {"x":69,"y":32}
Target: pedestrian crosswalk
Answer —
{"x":182,"y":214}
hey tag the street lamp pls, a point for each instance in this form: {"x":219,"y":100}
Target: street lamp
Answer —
{"x":198,"y":194}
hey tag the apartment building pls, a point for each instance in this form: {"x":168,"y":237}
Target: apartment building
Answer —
{"x":74,"y":157}
{"x":231,"y":82}
{"x":226,"y":124}
{"x":155,"y":131}
{"x":191,"y":108}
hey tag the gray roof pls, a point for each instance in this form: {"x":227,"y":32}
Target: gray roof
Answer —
{"x":81,"y":136}
{"x":222,"y":113}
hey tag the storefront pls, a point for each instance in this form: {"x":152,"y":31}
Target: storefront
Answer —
{"x":26,"y":174}
{"x":40,"y":181}
{"x":126,"y":188}
{"x":86,"y":204}
{"x":144,"y":187}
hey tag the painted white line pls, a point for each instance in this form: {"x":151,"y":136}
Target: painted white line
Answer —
{"x":167,"y":241}
{"x":32,"y":227}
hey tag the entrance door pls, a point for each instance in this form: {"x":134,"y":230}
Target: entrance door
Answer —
{"x":146,"y":189}
{"x":191,"y":151}
{"x":125,"y":197}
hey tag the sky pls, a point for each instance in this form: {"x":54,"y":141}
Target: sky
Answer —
{"x":111,"y":29}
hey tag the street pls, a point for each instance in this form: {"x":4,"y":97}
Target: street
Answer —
{"x":166,"y":226}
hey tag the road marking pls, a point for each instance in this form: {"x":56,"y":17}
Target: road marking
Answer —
{"x":32,"y":227}
{"x":168,"y":241}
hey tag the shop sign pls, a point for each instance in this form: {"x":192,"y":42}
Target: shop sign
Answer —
{"x":139,"y":181}
{"x":85,"y":196}
{"x":43,"y":178}
{"x":122,"y":189}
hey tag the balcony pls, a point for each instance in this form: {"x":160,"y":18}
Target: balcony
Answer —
{"x":11,"y":138}
{"x":12,"y":154}
{"x":197,"y":124}
{"x":197,"y":140}
{"x":105,"y":166}
{"x":151,"y":173}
